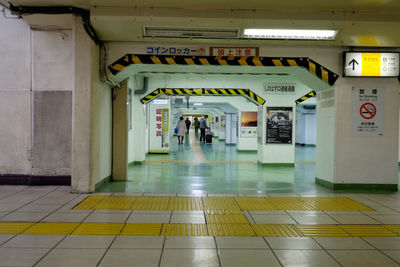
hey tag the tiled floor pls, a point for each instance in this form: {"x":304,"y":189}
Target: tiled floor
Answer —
{"x":55,"y":204}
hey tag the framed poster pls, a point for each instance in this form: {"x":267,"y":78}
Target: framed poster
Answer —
{"x":368,"y":111}
{"x":279,"y":125}
{"x":159,"y":136}
{"x":248,"y":124}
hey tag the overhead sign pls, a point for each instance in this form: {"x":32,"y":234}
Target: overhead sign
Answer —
{"x":280,"y":88}
{"x":367,"y":64}
{"x":368,"y":111}
{"x":234,"y":51}
{"x":176,"y":50}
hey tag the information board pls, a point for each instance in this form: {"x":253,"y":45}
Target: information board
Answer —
{"x":279,"y":125}
{"x":368,"y":111}
{"x":159,"y":134}
{"x":368,"y":64}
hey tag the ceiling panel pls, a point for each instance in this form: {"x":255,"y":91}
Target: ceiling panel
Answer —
{"x":371,"y":5}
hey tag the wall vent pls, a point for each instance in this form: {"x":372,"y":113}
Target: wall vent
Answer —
{"x":181,"y":32}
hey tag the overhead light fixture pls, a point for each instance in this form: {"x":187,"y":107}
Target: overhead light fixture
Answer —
{"x":197,"y":104}
{"x":291,"y":34}
{"x":183,"y":32}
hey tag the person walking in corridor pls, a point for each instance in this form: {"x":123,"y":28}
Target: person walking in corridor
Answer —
{"x":196,"y":125}
{"x":181,"y":130}
{"x":188,"y":123}
{"x":203,"y":127}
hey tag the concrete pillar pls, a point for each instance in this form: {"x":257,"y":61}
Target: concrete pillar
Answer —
{"x":346,"y":160}
{"x":82,"y":143}
{"x":120,"y":133}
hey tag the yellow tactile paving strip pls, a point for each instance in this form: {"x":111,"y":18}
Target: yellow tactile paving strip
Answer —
{"x":277,"y":230}
{"x":185,"y":203}
{"x":230,"y":230}
{"x":14,"y":227}
{"x":142,"y":229}
{"x":99,"y":229}
{"x":210,"y":229}
{"x":225,"y":204}
{"x":184,"y":230}
{"x":322,"y":230}
{"x":52,"y":229}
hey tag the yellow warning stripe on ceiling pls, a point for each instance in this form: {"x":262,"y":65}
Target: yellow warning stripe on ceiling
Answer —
{"x":256,"y":99}
{"x":222,"y":205}
{"x":210,"y":229}
{"x":305,"y":97}
{"x":310,"y":65}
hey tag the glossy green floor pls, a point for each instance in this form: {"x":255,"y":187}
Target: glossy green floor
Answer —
{"x":178,"y":172}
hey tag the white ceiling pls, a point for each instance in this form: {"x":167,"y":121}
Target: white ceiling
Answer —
{"x":358,"y":5}
{"x":359,"y":22}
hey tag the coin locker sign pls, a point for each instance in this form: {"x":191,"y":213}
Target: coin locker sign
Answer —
{"x":368,"y":111}
{"x":360,"y":64}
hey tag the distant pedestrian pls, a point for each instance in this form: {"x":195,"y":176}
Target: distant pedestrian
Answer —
{"x":181,"y":130}
{"x":196,"y":125}
{"x":188,"y":123}
{"x":203,"y":127}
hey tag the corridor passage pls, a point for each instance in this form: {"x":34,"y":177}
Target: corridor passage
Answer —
{"x":198,"y":168}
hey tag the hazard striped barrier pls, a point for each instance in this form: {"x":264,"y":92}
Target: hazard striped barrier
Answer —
{"x":256,"y":99}
{"x":305,"y":97}
{"x":313,"y":67}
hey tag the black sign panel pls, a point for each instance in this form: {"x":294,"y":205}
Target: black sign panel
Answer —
{"x":279,"y":125}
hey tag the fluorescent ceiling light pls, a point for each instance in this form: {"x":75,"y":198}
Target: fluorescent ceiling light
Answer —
{"x":291,"y":34}
{"x":197,"y":104}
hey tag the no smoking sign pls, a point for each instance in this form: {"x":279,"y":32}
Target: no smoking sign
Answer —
{"x":367,"y":111}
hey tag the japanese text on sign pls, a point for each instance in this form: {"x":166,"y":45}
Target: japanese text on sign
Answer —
{"x":370,"y":64}
{"x":172,"y":50}
{"x":280,"y":88}
{"x":367,"y":115}
{"x":234,"y":51}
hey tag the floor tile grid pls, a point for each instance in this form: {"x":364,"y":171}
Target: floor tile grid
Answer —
{"x":32,"y":201}
{"x":112,"y":242}
{"x":380,"y":250}
{"x":163,"y":245}
{"x":327,"y":251}
{"x":47,"y":253}
{"x":218,"y":252}
{"x":13,"y":194}
{"x":320,"y":248}
{"x":54,"y":212}
{"x":369,"y":198}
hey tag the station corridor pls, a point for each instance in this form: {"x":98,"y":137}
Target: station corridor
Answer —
{"x":199,"y":168}
{"x":214,"y":206}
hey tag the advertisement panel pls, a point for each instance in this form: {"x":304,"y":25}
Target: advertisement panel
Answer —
{"x":279,"y":125}
{"x":159,"y":139}
{"x":248,"y":124}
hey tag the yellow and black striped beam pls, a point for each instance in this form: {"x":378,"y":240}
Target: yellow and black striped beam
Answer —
{"x":305,"y":97}
{"x":256,"y":99}
{"x":312,"y":66}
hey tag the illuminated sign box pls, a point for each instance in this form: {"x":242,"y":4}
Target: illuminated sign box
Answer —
{"x":371,"y":64}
